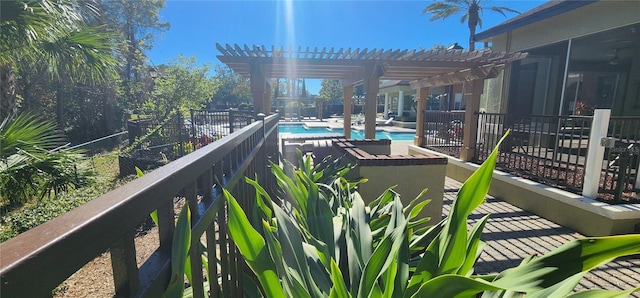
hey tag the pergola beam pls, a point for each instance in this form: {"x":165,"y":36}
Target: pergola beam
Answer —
{"x":459,"y":77}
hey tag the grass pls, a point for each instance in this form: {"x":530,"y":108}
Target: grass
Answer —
{"x":36,"y":212}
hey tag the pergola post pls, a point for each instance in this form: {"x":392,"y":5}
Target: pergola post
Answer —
{"x":371,"y":86}
{"x":386,"y":105}
{"x":400,"y":103}
{"x":258,"y":83}
{"x":422,"y":95}
{"x":319,"y":105}
{"x":473,"y":90}
{"x":267,"y":98}
{"x":347,"y":97}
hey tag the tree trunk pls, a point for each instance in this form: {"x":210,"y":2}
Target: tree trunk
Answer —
{"x":8,"y":99}
{"x":474,"y":19}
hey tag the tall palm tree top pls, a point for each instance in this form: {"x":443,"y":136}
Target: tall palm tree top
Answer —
{"x":470,"y":9}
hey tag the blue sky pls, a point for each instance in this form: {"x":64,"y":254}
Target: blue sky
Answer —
{"x":196,"y":26}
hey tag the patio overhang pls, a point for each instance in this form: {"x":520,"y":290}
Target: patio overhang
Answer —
{"x":353,"y":67}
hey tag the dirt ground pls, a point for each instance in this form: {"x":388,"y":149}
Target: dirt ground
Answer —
{"x":96,"y":279}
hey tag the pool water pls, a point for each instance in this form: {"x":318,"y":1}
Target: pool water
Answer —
{"x":355,"y":134}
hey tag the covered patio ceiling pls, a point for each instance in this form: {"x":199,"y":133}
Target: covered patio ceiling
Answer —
{"x":353,"y":65}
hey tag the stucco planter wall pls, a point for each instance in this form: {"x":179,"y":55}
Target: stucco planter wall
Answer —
{"x":411,"y":174}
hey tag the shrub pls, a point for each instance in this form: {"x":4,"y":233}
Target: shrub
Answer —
{"x":31,"y":164}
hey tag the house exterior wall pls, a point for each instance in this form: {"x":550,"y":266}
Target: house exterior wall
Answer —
{"x":590,"y":19}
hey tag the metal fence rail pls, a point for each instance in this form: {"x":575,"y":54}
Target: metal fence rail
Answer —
{"x":553,"y":150}
{"x":155,"y":143}
{"x":67,"y":243}
{"x":620,"y":169}
{"x":444,"y":131}
{"x":210,"y":125}
{"x":549,"y":149}
{"x":104,"y":144}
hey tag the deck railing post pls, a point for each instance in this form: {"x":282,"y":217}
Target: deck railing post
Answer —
{"x":595,"y":153}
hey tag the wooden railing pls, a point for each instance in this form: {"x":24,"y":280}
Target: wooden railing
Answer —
{"x":36,"y":262}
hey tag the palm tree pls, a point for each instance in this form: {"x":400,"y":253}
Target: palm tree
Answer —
{"x":31,"y":162}
{"x":54,"y":34}
{"x":470,"y":10}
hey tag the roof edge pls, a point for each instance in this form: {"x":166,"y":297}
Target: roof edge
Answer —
{"x":532,"y":16}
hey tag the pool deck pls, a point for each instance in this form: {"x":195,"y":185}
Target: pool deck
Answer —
{"x":336,"y":123}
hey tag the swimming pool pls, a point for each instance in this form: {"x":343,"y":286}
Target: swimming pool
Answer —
{"x":355,"y":134}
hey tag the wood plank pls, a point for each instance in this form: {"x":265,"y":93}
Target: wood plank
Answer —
{"x":248,"y":51}
{"x":337,"y":54}
{"x":239,"y":51}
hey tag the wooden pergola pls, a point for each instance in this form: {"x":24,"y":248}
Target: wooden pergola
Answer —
{"x":423,"y":68}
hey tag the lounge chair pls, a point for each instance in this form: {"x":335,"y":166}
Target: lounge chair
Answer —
{"x":359,"y":120}
{"x":382,"y":122}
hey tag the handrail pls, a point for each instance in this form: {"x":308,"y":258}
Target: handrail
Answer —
{"x":35,"y":262}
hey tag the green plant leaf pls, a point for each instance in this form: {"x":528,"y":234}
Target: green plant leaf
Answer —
{"x":154,"y":214}
{"x":567,"y":260}
{"x":599,"y":293}
{"x":560,"y":289}
{"x":252,"y":247}
{"x":179,"y":253}
{"x":339,"y":289}
{"x":263,"y":204}
{"x":381,"y":259}
{"x":449,"y":285}
{"x":293,"y":251}
{"x":474,"y":247}
{"x":416,"y":210}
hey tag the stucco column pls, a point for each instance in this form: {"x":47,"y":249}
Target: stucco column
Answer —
{"x":371,"y":85}
{"x":267,"y":98}
{"x":422,"y":95}
{"x":347,"y":95}
{"x":386,"y":105}
{"x":401,"y":103}
{"x":258,"y":83}
{"x":472,"y":92}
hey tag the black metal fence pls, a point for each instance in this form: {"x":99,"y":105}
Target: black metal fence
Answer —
{"x":209,"y":125}
{"x":619,"y":177}
{"x":154,"y":143}
{"x":444,"y":131}
{"x":553,"y":150}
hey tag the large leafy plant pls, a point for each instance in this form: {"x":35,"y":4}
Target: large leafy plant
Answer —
{"x":31,"y":162}
{"x":320,"y":239}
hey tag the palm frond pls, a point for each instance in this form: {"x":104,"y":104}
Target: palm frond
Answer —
{"x":86,"y":55}
{"x":502,"y":9}
{"x":28,"y":133}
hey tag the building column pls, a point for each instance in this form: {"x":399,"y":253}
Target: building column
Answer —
{"x":347,"y":97}
{"x":473,"y":91}
{"x":422,"y":95}
{"x":371,"y":86}
{"x":401,"y":103}
{"x":386,"y":105}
